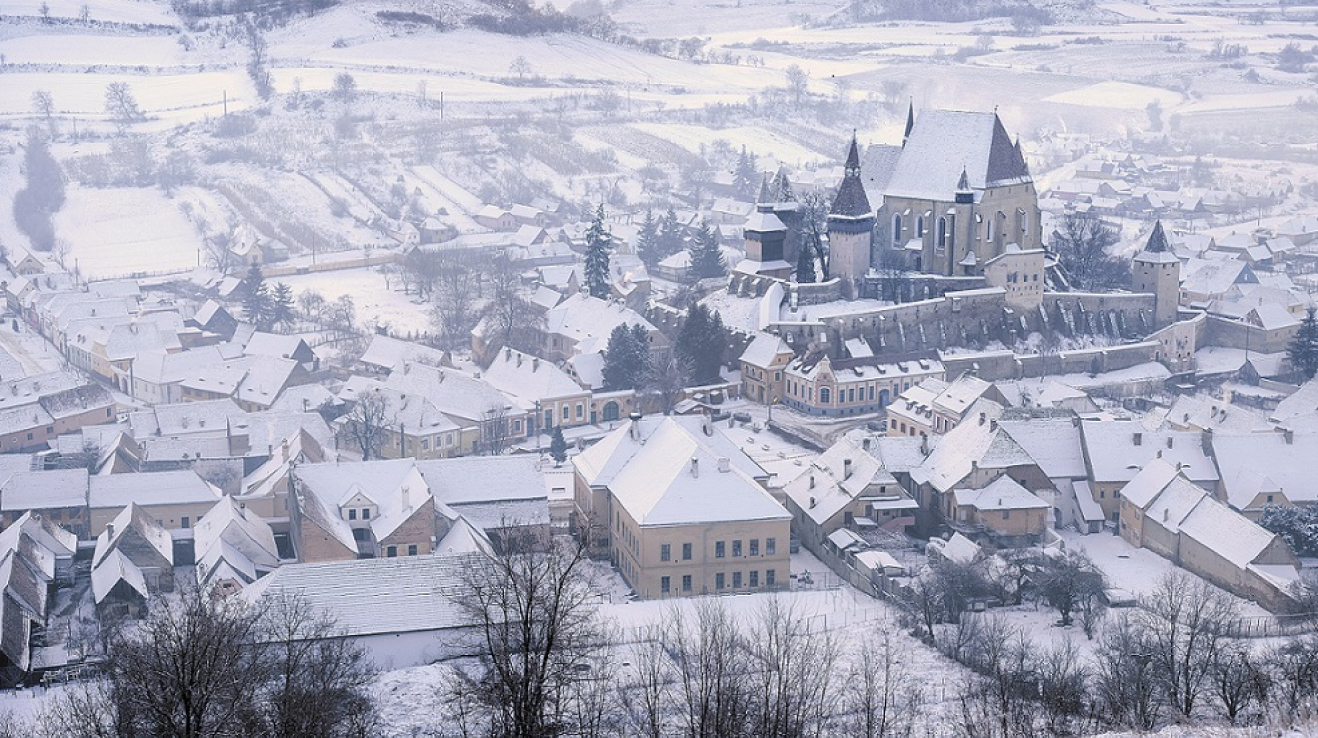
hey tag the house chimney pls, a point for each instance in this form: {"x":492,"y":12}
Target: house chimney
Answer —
{"x":846,"y":469}
{"x":695,"y":467}
{"x":993,"y":425}
{"x":1139,"y":439}
{"x":707,"y":424}
{"x":1289,"y":435}
{"x":982,"y":418}
{"x":1159,"y":453}
{"x":535,"y":364}
{"x":1169,"y":441}
{"x":812,"y":481}
{"x":1206,"y":441}
{"x":724,"y":464}
{"x":1075,"y":420}
{"x":865,"y":444}
{"x":507,"y":354}
{"x":1165,"y":514}
{"x":407,"y":498}
{"x":813,"y":502}
{"x":109,"y":531}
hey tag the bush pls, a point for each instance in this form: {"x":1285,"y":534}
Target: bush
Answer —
{"x":1298,"y":526}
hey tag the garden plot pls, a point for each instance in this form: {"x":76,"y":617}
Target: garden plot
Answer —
{"x":116,"y":11}
{"x":93,"y":50}
{"x":172,"y":98}
{"x":119,"y":231}
{"x":1118,"y":95}
{"x":375,"y":304}
{"x":757,"y":140}
{"x":455,"y":89}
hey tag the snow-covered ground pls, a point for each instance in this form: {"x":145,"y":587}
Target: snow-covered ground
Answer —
{"x":375,"y":304}
{"x":119,"y":231}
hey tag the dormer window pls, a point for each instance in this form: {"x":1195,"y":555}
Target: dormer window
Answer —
{"x":366,"y":513}
{"x":352,"y":513}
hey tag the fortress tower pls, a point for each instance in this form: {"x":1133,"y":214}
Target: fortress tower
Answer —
{"x":1157,"y":271}
{"x":850,"y":225}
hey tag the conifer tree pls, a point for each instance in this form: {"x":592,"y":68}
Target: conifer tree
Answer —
{"x":258,"y":304}
{"x":1303,"y":348}
{"x":597,"y":256}
{"x":670,"y":234}
{"x":627,"y":358}
{"x":745,"y":176}
{"x":647,"y":240}
{"x":282,"y":312}
{"x":701,"y":343}
{"x":706,"y":257}
{"x":805,"y":265}
{"x":558,"y":445}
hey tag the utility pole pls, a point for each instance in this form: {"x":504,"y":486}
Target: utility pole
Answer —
{"x":226,"y":103}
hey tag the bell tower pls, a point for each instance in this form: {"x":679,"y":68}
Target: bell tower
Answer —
{"x":850,"y":225}
{"x":1156,"y":270}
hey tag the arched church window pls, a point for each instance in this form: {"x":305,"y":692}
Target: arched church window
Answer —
{"x":896,"y":229}
{"x":940,"y":235}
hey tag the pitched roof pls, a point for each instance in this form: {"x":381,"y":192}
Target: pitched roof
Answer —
{"x":232,"y":524}
{"x":1003,"y":493}
{"x":115,"y":568}
{"x":943,"y":143}
{"x":831,"y":483}
{"x":851,"y":201}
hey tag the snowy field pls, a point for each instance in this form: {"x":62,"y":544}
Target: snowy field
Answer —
{"x":117,"y":231}
{"x":366,"y":287}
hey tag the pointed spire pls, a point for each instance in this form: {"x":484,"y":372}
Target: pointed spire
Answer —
{"x":852,"y":167}
{"x":910,"y":121}
{"x":764,"y":198}
{"x":963,"y":184}
{"x":1157,"y":240}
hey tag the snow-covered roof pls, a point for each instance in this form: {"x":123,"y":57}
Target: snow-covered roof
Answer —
{"x":1149,"y":482}
{"x":945,"y":143}
{"x":836,"y":478}
{"x":972,"y":442}
{"x":1118,"y":449}
{"x":678,"y":475}
{"x":134,"y":523}
{"x":589,"y":320}
{"x":1052,"y":441}
{"x":764,"y":348}
{"x":1226,"y":532}
{"x":232,"y":524}
{"x":1254,"y":463}
{"x":391,"y":353}
{"x":115,"y":568}
{"x":45,"y":490}
{"x":529,"y":378}
{"x":1003,"y":493}
{"x":180,"y":487}
{"x":394,"y":486}
{"x":404,"y":594}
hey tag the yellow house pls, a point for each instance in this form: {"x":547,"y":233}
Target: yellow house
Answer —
{"x":680,"y":510}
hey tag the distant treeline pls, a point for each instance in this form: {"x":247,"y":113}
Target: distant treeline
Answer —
{"x":267,"y":9}
{"x":947,"y":10}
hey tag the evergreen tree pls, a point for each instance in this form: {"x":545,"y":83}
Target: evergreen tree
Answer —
{"x":624,"y":360}
{"x":558,"y":445}
{"x":745,"y":175}
{"x":258,"y":304}
{"x":647,"y":240}
{"x":36,"y":203}
{"x":597,"y":256}
{"x":706,"y":257}
{"x":670,"y":234}
{"x":1303,"y":348}
{"x":701,"y":343}
{"x":805,"y":265}
{"x":282,"y":312}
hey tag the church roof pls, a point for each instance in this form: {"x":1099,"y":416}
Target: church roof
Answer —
{"x":851,"y":201}
{"x":1156,"y":249}
{"x":944,"y":142}
{"x":765,"y":196}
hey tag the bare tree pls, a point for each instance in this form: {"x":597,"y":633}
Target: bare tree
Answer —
{"x":520,"y":67}
{"x":1125,"y":683}
{"x":456,"y":280}
{"x":1083,"y":245}
{"x":43,"y":104}
{"x":645,"y":697}
{"x":367,"y":423}
{"x":496,"y":430}
{"x":881,"y":697}
{"x":318,"y":681}
{"x":1068,"y":581}
{"x":1238,"y":680}
{"x":1186,"y":619}
{"x":540,"y":635}
{"x":787,"y":657}
{"x":514,"y":322}
{"x":665,"y":380}
{"x":121,"y":105}
{"x":712,"y":671}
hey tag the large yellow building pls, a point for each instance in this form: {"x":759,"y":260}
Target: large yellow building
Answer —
{"x":681,"y":510}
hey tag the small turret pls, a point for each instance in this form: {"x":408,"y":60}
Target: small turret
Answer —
{"x":910,"y":121}
{"x":965,"y":195}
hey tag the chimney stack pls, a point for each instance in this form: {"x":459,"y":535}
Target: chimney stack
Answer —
{"x":109,"y":531}
{"x":846,"y":469}
{"x":407,"y":498}
{"x":724,"y":465}
{"x":865,"y":443}
{"x":1289,"y":435}
{"x":1139,"y":439}
{"x":695,"y":467}
{"x":982,"y":418}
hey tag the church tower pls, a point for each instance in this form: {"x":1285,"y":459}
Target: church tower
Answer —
{"x":1157,"y":271}
{"x":850,"y":225}
{"x":765,"y":236}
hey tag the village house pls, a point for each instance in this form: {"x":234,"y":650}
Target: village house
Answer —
{"x":133,"y":560}
{"x":818,"y":385}
{"x":934,"y":407}
{"x":35,"y":555}
{"x":361,"y":510}
{"x":1003,"y":511}
{"x":59,"y":495}
{"x":846,"y":487}
{"x":762,"y":366}
{"x":1168,"y":514}
{"x":233,"y":547}
{"x":1116,"y":449}
{"x":680,"y":510}
{"x":174,"y":500}
{"x":1258,"y":469}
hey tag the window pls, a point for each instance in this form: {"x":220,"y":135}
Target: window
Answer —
{"x":940,"y":236}
{"x":411,"y":549}
{"x":186,"y":522}
{"x":567,"y":413}
{"x":736,"y":580}
{"x":1006,"y":515}
{"x":896,"y":230}
{"x":755,"y":547}
{"x":666,"y":552}
{"x":988,"y":230}
{"x":736,"y":548}
{"x":769,"y":578}
{"x":686,"y":552}
{"x":29,"y":436}
{"x":391,"y":552}
{"x":366,"y":513}
{"x":719,"y":581}
{"x":718,"y":549}
{"x":686,"y":582}
{"x":1269,"y":502}
{"x":425,"y":444}
{"x":823,"y":395}
{"x":665,"y":584}
{"x":769,"y":547}
{"x":919,"y":227}
{"x":580,"y":411}
{"x":352,"y":513}
{"x":755,"y":579}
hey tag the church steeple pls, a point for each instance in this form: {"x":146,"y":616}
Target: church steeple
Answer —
{"x":851,"y":201}
{"x":910,"y":121}
{"x":1157,"y":242}
{"x":765,"y":198}
{"x":852,"y":167}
